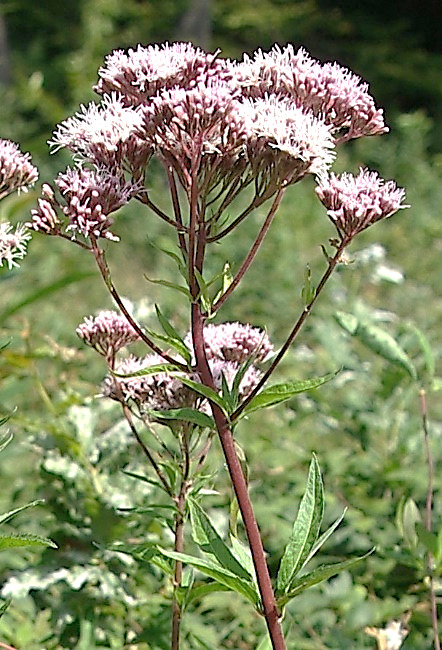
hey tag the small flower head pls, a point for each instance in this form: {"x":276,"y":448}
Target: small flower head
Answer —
{"x":356,"y":202}
{"x":184,"y":125}
{"x":45,"y":218}
{"x":107,"y":333}
{"x":90,"y":196}
{"x":228,"y":370}
{"x":331,"y":92}
{"x":141,"y":73}
{"x":235,"y":342}
{"x":287,"y":137}
{"x":13,"y":243}
{"x":16,"y":170}
{"x":103,"y":134}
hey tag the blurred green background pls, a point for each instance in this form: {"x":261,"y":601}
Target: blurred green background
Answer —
{"x":365,"y":426}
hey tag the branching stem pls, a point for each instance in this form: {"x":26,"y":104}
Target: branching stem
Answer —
{"x":252,"y":252}
{"x":428,"y":514}
{"x":105,"y":274}
{"x":332,"y":263}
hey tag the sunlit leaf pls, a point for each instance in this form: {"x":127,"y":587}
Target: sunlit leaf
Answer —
{"x":282,"y":392}
{"x":212,"y":569}
{"x":24,"y":539}
{"x":319,"y":575}
{"x":208,"y":539}
{"x":378,"y":340}
{"x":305,"y":529}
{"x":7,"y":516}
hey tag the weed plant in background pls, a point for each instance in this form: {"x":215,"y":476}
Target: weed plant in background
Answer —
{"x":231,"y":139}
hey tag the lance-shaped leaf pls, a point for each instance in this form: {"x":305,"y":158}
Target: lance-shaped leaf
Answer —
{"x":378,"y":340}
{"x":320,"y":574}
{"x":6,"y":438}
{"x":148,"y":370}
{"x":185,"y":414}
{"x":7,"y":516}
{"x":173,"y":336}
{"x":206,"y":391}
{"x":305,"y":530}
{"x":282,"y":392}
{"x":24,"y":539}
{"x":324,"y":537}
{"x":215,"y":571}
{"x":208,"y":539}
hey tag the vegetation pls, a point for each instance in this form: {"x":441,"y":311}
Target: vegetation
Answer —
{"x":367,"y":426}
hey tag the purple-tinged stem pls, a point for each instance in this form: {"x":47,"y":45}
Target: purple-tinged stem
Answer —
{"x":144,"y":199}
{"x":269,"y":607}
{"x":332,"y":263}
{"x":151,"y":459}
{"x":252,"y":252}
{"x":257,"y":201}
{"x":105,"y":274}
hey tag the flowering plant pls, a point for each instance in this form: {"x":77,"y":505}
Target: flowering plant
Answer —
{"x":220,"y":130}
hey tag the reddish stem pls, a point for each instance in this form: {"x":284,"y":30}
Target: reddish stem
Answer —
{"x":269,"y":607}
{"x":105,"y":274}
{"x":333,"y":261}
{"x":253,"y":251}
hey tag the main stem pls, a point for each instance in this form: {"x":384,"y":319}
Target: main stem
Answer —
{"x":196,"y":249}
{"x":269,"y":607}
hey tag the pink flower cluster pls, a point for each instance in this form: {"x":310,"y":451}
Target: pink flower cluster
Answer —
{"x":356,"y":202}
{"x":268,"y":119}
{"x":331,"y":92}
{"x":16,"y":169}
{"x":228,"y":346}
{"x":107,"y":333}
{"x":17,"y":173}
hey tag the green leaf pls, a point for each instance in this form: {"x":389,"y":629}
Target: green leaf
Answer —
{"x":140,"y":477}
{"x":149,"y":370}
{"x":224,"y":577}
{"x":170,"y":285}
{"x":430,"y":362}
{"x":305,"y":529}
{"x":320,"y":574}
{"x":282,"y":392}
{"x":173,"y":336}
{"x":207,"y":392}
{"x":348,"y":322}
{"x":7,"y":437}
{"x":227,"y":279}
{"x":325,"y":536}
{"x":379,"y":341}
{"x":308,"y":290}
{"x":199,"y":591}
{"x":436,"y":384}
{"x":428,"y":539}
{"x":43,"y":292}
{"x":185,"y":414}
{"x":4,"y":606}
{"x":410,"y":517}
{"x":3,"y":346}
{"x":242,"y":554}
{"x":173,"y":256}
{"x":7,"y":516}
{"x":24,"y":539}
{"x":208,"y":539}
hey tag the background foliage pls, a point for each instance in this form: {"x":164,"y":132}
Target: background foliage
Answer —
{"x":70,"y":447}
